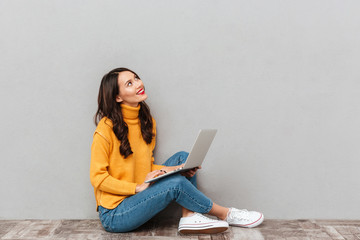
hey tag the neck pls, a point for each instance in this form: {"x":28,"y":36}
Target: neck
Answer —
{"x":130,"y":104}
{"x":130,"y":113}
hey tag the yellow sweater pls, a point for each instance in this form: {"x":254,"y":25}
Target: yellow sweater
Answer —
{"x":113,"y":177}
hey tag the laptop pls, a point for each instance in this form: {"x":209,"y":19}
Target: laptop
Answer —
{"x":197,"y":153}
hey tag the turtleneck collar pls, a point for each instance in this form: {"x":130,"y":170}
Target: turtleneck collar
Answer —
{"x":130,"y":113}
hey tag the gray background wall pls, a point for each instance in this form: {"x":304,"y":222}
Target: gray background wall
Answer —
{"x":279,"y":79}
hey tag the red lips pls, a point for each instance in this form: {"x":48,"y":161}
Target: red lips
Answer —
{"x":140,"y":92}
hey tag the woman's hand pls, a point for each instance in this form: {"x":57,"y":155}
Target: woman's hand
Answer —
{"x":191,"y":172}
{"x":150,"y":175}
{"x":171,"y":168}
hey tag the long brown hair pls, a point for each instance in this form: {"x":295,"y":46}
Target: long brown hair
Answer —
{"x":108,"y":107}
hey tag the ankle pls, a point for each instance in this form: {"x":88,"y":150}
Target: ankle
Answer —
{"x":187,"y":212}
{"x":224,"y":216}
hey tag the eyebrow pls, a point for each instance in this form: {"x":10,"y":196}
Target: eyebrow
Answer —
{"x":129,"y":80}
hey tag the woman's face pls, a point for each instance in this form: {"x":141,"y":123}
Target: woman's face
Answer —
{"x":132,"y":90}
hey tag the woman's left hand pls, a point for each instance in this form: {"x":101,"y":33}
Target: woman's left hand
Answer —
{"x":191,"y":172}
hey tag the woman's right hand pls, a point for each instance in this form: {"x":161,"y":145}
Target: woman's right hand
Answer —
{"x":150,"y":175}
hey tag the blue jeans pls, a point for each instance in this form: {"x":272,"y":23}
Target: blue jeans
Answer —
{"x":137,"y":209}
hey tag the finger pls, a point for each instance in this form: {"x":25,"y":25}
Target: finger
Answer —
{"x":160,"y":173}
{"x":190,"y":173}
{"x":187,"y":175}
{"x":155,"y":173}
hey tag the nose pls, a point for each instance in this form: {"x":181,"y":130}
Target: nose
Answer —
{"x":139,"y":84}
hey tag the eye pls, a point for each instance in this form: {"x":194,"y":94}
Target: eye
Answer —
{"x":129,"y":84}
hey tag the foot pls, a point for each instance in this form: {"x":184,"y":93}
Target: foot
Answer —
{"x":199,"y":224}
{"x":244,"y":218}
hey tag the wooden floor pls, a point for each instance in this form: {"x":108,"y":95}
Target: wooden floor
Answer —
{"x":166,"y":229}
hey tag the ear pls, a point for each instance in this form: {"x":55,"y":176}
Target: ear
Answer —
{"x":118,"y":99}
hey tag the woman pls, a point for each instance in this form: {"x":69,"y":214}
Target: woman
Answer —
{"x":122,"y":159}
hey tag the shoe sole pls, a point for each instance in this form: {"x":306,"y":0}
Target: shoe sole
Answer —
{"x":203,"y":231}
{"x":251,"y":225}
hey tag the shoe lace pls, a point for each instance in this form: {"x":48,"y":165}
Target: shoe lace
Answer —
{"x":238,"y":214}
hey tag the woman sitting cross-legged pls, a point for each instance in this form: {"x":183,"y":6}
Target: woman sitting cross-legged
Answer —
{"x":122,"y":160}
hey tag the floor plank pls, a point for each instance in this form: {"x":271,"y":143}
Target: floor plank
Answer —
{"x":165,"y":228}
{"x":331,"y":231}
{"x":5,"y":227}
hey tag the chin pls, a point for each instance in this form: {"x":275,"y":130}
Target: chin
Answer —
{"x":144,"y":97}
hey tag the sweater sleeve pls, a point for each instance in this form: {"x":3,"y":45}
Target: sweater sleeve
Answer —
{"x":154,"y":166}
{"x":99,"y":176}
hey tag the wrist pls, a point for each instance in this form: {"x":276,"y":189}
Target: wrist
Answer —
{"x":138,"y":188}
{"x":141,"y":187}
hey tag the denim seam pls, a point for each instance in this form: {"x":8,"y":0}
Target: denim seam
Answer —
{"x":202,"y":206}
{"x":103,"y":220}
{"x":160,"y":193}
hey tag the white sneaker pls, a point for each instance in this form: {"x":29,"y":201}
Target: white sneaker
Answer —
{"x":199,"y":224}
{"x":244,"y":218}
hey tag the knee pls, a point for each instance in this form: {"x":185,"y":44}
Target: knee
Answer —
{"x":182,"y":156}
{"x":177,"y":159}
